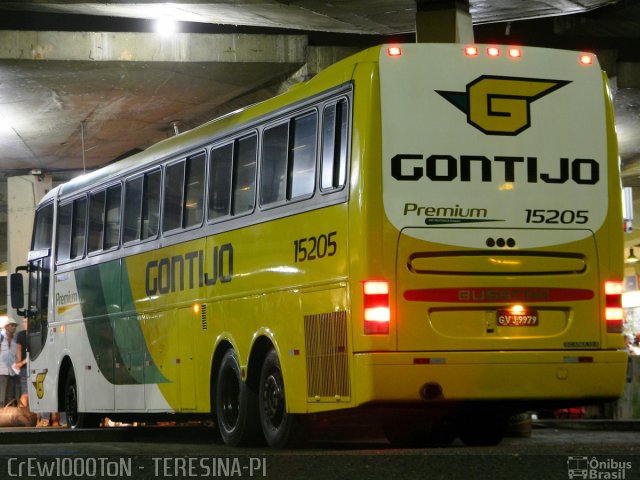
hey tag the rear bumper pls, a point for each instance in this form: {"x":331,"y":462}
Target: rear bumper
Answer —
{"x":527,"y":377}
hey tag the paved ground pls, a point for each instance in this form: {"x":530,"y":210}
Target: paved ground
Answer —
{"x":559,"y":449}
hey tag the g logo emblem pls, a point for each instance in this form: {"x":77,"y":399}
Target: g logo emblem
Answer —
{"x":39,"y":384}
{"x":500,"y":105}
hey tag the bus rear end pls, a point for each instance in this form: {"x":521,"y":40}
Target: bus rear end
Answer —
{"x":502,"y":199}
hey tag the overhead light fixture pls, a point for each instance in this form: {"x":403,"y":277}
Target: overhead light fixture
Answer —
{"x":165,"y":26}
{"x":632,"y":257}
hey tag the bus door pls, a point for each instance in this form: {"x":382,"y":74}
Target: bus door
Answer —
{"x":38,"y":286}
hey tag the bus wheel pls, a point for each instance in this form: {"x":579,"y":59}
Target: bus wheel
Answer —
{"x":280,"y":428}
{"x":483,"y":431}
{"x":236,"y":403}
{"x":76,"y":419}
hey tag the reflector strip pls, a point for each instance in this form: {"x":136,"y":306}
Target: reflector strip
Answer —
{"x":578,"y":359}
{"x":498,"y":294}
{"x":429,"y":361}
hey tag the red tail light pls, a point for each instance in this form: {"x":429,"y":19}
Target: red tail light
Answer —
{"x":394,"y":51}
{"x":377,"y":312}
{"x":614,"y":314}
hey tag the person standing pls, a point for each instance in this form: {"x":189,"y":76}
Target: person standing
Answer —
{"x":21,"y":363}
{"x":8,"y":347}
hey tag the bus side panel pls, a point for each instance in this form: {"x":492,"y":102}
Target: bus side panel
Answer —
{"x":369,"y":246}
{"x":286,"y":272}
{"x":249,"y":282}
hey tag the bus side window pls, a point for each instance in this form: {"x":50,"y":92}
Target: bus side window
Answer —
{"x":302,"y":156}
{"x":78,"y":232}
{"x":142,"y":207}
{"x":244,"y":175}
{"x":112,"y":220}
{"x":194,"y":190}
{"x":273,"y":172}
{"x":334,"y":145}
{"x":151,"y":205}
{"x":42,"y":235}
{"x":65,"y":214}
{"x":132,"y":209}
{"x":96,"y":222}
{"x":71,"y":229}
{"x":173,"y":191}
{"x":220,"y":168}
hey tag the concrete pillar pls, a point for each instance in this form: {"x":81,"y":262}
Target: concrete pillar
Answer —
{"x":443,"y":21}
{"x":23,"y":195}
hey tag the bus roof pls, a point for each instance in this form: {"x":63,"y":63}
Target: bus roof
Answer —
{"x":203,"y":135}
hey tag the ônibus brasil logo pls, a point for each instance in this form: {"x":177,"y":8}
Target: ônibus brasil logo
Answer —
{"x":500,"y":105}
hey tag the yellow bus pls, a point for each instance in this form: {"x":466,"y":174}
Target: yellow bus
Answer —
{"x":426,"y":235}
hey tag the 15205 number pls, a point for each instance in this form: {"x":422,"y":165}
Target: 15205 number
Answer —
{"x":557,"y":216}
{"x":312,"y":248}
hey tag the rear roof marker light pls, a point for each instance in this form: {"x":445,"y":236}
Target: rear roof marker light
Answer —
{"x":394,"y":51}
{"x":471,"y":51}
{"x":493,"y":51}
{"x":586,"y":59}
{"x":515,"y":52}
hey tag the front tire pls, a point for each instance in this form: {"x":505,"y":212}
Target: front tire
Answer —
{"x":280,"y":428}
{"x":76,"y":419}
{"x":236,"y":404}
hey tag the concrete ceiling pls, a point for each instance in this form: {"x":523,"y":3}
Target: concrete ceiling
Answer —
{"x":84,"y":82}
{"x":353,"y":16}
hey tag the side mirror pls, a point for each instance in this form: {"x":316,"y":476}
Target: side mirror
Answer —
{"x":17,"y":293}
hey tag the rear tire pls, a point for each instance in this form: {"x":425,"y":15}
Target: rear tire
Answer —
{"x":281,"y":428}
{"x":236,"y":404}
{"x":483,"y":430}
{"x":413,"y":435}
{"x":76,"y":419}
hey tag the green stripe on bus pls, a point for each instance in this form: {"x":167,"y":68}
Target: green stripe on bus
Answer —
{"x":116,"y":340}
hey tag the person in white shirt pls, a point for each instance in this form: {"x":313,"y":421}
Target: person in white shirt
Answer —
{"x":8,"y":358}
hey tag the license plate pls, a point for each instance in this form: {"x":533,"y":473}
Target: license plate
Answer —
{"x":528,"y":318}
